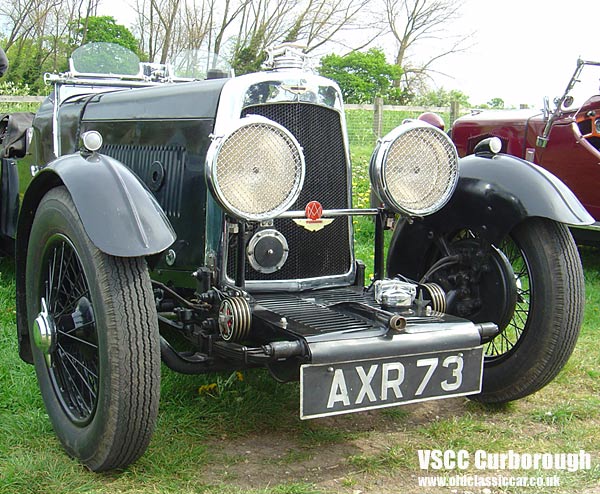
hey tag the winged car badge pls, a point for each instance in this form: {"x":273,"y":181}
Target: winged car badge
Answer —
{"x":314,"y":220}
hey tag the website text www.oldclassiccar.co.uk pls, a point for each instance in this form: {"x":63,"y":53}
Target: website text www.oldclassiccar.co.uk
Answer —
{"x":447,"y":468}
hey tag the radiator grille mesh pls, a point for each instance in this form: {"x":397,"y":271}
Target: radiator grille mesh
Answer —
{"x":325,"y":252}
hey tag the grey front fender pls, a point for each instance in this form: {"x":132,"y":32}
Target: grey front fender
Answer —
{"x":497,"y":192}
{"x":494,"y":194}
{"x":120,"y":216}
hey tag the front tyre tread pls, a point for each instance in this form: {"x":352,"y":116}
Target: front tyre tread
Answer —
{"x":555,"y":319}
{"x":140,"y":381}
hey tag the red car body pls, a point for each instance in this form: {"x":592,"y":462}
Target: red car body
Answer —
{"x":565,"y":142}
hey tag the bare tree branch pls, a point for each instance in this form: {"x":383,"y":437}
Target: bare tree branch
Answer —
{"x":412,"y":22}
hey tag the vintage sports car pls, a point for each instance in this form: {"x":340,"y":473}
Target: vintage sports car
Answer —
{"x":208,"y":223}
{"x":564,"y":140}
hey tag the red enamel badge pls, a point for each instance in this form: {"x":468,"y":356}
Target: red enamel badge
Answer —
{"x":314,"y":210}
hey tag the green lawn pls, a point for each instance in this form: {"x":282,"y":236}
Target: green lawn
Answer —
{"x":209,"y":437}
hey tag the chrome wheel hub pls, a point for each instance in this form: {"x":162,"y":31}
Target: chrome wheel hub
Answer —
{"x":44,"y":330}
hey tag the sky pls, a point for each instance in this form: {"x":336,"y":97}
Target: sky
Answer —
{"x":520,"y":50}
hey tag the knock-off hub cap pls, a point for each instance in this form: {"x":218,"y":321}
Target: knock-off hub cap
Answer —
{"x":44,"y":331}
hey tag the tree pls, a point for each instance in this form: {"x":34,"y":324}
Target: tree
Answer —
{"x":243,"y":29}
{"x":28,"y":61}
{"x":311,"y":23}
{"x":413,"y":22}
{"x":159,"y":26}
{"x":27,"y":19}
{"x":496,"y":103}
{"x":105,"y":29}
{"x":247,"y":59}
{"x":39,"y":36}
{"x":441,"y":97}
{"x":320,"y":21}
{"x":361,"y":75}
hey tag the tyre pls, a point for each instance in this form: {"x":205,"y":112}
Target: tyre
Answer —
{"x":543,"y":329}
{"x":96,"y":345}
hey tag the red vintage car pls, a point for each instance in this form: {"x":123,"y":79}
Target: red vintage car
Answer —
{"x":564,"y":140}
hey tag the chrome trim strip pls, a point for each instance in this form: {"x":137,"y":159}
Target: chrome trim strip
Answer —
{"x":55,"y":126}
{"x":103,"y":81}
{"x":285,"y":86}
{"x":332,"y":213}
{"x":299,"y":285}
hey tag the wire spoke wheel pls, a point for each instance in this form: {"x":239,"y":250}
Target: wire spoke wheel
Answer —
{"x":74,"y":362}
{"x":94,"y":330}
{"x":539,"y":335}
{"x":530,"y":285}
{"x":509,"y":337}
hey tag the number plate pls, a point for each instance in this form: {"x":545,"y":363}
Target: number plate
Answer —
{"x":332,"y":389}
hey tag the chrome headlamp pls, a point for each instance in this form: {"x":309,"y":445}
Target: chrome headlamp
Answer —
{"x":414,"y":169}
{"x":256,"y":170}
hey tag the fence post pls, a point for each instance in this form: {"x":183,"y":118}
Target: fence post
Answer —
{"x":454,"y":110}
{"x":378,"y":117}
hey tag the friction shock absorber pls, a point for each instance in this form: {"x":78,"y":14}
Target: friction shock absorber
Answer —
{"x":235,"y":318}
{"x":437,"y":296}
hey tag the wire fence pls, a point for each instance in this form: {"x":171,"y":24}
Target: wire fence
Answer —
{"x":22,"y":99}
{"x":366,"y":123}
{"x":11,"y":104}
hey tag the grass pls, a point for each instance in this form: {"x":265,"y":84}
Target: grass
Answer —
{"x":18,"y":107}
{"x":237,"y":433}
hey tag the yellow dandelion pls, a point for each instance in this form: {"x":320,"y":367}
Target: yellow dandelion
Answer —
{"x":207,"y":388}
